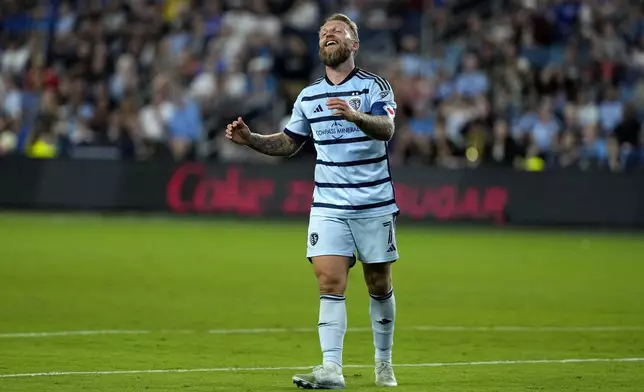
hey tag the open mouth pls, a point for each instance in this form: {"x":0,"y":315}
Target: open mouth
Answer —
{"x":330,"y":43}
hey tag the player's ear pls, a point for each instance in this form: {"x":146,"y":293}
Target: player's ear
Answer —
{"x":356,"y":46}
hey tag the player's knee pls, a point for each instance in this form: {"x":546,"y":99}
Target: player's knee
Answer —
{"x":331,"y":272}
{"x":380,"y":286}
{"x":378,"y":283}
{"x":331,"y":284}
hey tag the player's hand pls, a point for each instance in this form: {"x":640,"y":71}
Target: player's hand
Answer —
{"x":342,"y":109}
{"x":238,"y":132}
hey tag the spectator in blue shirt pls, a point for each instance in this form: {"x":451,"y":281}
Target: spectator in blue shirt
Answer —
{"x":418,"y":134}
{"x":611,"y":111}
{"x":593,"y":149}
{"x":472,"y":81}
{"x":185,"y":127}
{"x":444,"y":86}
{"x":523,"y":125}
{"x":545,"y":131}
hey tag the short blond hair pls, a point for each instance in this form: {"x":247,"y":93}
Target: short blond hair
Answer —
{"x":353,"y":27}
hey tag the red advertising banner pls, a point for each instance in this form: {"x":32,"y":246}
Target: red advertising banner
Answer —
{"x":193,"y":189}
{"x":429,"y":195}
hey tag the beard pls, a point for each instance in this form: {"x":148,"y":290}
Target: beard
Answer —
{"x":336,"y":56}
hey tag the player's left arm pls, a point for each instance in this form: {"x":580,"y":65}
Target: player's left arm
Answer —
{"x":379,"y":127}
{"x":379,"y":123}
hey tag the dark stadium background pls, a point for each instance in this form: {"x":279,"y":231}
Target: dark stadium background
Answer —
{"x":517,"y":160}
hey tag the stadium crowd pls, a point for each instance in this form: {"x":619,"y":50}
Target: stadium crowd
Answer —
{"x":535,"y":85}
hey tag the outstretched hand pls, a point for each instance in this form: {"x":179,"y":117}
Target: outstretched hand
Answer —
{"x":238,"y":132}
{"x":342,"y":109}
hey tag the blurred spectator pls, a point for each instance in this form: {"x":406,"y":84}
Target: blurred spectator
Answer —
{"x":416,"y":138}
{"x":471,"y":82}
{"x":587,"y":111}
{"x":11,"y":98}
{"x":628,"y":130}
{"x":611,"y":111}
{"x":545,"y":132}
{"x":185,"y":127}
{"x":125,"y":80}
{"x":303,"y":15}
{"x":154,"y":119}
{"x":501,"y":149}
{"x":8,"y":139}
{"x":125,"y":130}
{"x":568,"y":153}
{"x":15,"y":56}
{"x":292,"y":67}
{"x":593,"y":149}
{"x":444,"y":152}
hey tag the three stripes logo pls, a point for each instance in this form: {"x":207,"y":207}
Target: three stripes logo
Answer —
{"x":318,"y":109}
{"x":390,"y":241}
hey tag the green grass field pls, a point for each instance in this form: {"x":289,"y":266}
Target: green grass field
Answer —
{"x":151,"y":304}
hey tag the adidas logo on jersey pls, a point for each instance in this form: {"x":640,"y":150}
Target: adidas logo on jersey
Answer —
{"x":318,"y":109}
{"x":392,"y":248}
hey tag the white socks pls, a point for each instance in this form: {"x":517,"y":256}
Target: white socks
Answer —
{"x":383,"y":315}
{"x":332,"y":326}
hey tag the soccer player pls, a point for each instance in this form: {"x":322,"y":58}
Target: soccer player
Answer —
{"x":349,"y":115}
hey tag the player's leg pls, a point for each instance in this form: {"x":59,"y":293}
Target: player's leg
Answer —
{"x":377,"y":250}
{"x":330,"y":250}
{"x":332,"y":272}
{"x":382,"y":310}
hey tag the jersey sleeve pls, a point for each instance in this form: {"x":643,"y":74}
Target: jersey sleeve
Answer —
{"x":382,"y":98}
{"x":298,"y":126}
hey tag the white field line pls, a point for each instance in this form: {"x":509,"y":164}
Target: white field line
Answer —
{"x":266,"y":331}
{"x":439,"y":328}
{"x":280,"y":368}
{"x":72,"y":333}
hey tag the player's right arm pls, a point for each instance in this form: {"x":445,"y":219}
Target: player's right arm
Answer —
{"x":277,"y":145}
{"x":283,"y":144}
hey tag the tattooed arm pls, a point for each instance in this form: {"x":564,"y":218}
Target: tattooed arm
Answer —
{"x":377,"y":127}
{"x":379,"y":123}
{"x":277,"y":145}
{"x":283,"y":144}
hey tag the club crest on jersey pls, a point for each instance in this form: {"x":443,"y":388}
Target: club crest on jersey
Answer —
{"x":391,"y":112}
{"x":313,"y":238}
{"x":355,"y":103}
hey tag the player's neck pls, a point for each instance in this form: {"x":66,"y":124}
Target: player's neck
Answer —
{"x":338,"y":74}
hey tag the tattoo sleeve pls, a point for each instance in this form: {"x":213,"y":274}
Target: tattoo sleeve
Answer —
{"x":377,"y":127}
{"x":276,"y":145}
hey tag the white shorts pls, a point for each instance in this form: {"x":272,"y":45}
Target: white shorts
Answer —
{"x":372,"y":240}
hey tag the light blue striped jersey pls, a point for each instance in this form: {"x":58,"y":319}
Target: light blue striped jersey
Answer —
{"x":352,"y":176}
